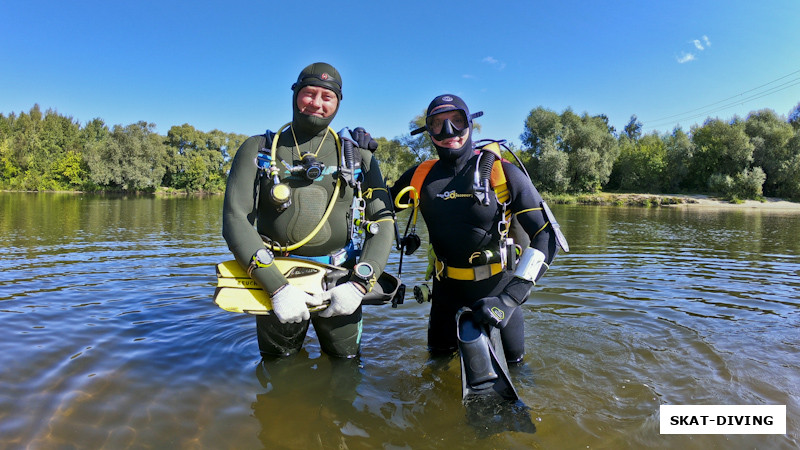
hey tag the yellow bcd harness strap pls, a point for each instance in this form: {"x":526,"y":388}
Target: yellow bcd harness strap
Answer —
{"x":498,"y":182}
{"x":497,"y":179}
{"x":419,"y":177}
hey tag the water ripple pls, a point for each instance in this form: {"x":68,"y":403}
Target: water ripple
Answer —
{"x":112,"y":340}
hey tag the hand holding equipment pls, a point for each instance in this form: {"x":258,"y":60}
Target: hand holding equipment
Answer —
{"x":345,"y":299}
{"x":290,"y":304}
{"x":494,"y":311}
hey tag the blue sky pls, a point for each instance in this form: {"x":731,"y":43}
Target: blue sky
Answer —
{"x":229,"y":65}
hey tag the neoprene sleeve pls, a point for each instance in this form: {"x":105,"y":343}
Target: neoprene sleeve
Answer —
{"x":240,"y":210}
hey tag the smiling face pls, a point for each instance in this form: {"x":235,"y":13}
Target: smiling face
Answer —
{"x":317,"y":101}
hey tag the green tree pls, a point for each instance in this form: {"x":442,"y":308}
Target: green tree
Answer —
{"x":550,"y":170}
{"x":94,"y":131}
{"x":197,"y":159}
{"x":588,"y":142}
{"x":8,"y":171}
{"x":232,"y":143}
{"x":70,"y":170}
{"x":633,"y":130}
{"x":542,"y":130}
{"x":5,"y":125}
{"x":641,"y":164}
{"x":394,"y":157}
{"x":8,"y":168}
{"x":743,"y":185}
{"x":789,"y":171}
{"x":679,"y":152}
{"x":770,"y":137}
{"x":794,"y":117}
{"x":226,"y":144}
{"x":132,"y":159}
{"x":720,"y":148}
{"x":25,"y":137}
{"x":59,"y":150}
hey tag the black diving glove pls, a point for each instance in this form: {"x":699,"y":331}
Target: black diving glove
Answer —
{"x":363,"y":139}
{"x":494,"y":311}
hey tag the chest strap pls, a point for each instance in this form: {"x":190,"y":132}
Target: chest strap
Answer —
{"x":497,"y":179}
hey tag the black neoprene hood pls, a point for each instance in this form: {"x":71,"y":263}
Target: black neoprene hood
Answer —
{"x":448,"y":102}
{"x":320,"y":74}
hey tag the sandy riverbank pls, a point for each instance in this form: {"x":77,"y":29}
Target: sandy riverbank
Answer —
{"x":697,"y":200}
{"x":680,"y":201}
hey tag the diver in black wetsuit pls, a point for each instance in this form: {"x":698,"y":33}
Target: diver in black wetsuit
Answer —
{"x":462,"y":229}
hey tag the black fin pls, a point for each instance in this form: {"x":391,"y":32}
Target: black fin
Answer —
{"x":483,"y":372}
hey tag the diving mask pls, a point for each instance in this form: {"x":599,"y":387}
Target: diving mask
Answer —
{"x":447,"y":124}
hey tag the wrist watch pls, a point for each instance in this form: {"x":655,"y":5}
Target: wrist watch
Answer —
{"x":364,"y":274}
{"x":261,"y":258}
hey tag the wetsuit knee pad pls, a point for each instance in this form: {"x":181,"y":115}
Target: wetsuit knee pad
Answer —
{"x":279,"y":339}
{"x":340,"y":336}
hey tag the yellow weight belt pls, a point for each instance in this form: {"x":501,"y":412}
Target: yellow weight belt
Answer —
{"x":476,"y":273}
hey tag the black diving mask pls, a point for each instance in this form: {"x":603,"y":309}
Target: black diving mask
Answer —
{"x":446,"y":125}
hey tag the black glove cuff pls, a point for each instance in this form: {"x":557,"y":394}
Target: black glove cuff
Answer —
{"x":518,"y":289}
{"x":361,"y":282}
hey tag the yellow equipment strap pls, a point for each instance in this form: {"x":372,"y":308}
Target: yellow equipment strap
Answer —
{"x":476,"y":273}
{"x":497,"y":179}
{"x":331,"y":204}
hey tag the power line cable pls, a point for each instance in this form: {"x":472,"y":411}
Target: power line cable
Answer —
{"x":773,"y":90}
{"x":650,"y":122}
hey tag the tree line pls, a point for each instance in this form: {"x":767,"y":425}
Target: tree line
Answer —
{"x":49,"y":151}
{"x":565,"y":153}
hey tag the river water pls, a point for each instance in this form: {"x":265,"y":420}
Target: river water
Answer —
{"x":110,"y":338}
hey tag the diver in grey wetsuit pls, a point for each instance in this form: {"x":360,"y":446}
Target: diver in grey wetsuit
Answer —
{"x":302,"y":195}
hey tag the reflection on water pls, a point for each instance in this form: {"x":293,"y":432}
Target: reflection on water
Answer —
{"x":111,"y":340}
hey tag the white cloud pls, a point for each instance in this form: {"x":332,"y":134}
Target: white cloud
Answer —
{"x":702,"y":43}
{"x":468,"y":76}
{"x":699,"y":44}
{"x":493,"y":62}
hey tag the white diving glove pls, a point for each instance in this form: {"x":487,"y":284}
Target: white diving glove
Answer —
{"x":345,"y":299}
{"x":291,"y":304}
